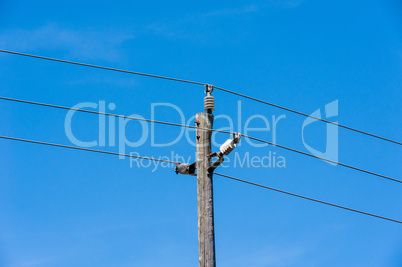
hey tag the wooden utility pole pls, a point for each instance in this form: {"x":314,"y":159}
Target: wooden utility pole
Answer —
{"x":205,"y":200}
{"x":205,"y":196}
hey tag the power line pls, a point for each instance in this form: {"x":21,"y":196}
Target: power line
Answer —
{"x":198,"y":83}
{"x":306,"y":115}
{"x":194,"y":127}
{"x":101,"y":67}
{"x":84,"y":149}
{"x":308,"y":198}
{"x":167,"y":161}
{"x":108,"y":114}
{"x":325,"y":159}
{"x":99,"y":113}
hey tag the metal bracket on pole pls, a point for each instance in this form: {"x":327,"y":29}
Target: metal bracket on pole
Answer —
{"x":208,"y":89}
{"x":236,"y":137}
{"x":218,"y":162}
{"x":184,"y":168}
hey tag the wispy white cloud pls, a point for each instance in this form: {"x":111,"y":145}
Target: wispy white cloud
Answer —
{"x":231,"y":11}
{"x":195,"y":27}
{"x":288,"y":3}
{"x":81,"y":43}
{"x":45,"y":261}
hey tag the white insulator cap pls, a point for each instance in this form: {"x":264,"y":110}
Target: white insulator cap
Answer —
{"x":227,"y":147}
{"x":209,"y":103}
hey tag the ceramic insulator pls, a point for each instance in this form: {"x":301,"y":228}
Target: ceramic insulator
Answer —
{"x":227,"y":147}
{"x":209,"y":103}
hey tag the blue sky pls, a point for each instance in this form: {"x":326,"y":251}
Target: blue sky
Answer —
{"x":63,"y":207}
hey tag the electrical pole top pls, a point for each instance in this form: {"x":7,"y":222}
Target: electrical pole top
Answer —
{"x":205,"y":201}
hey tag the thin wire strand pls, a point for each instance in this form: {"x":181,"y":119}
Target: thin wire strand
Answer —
{"x":99,"y":113}
{"x":306,"y":115}
{"x":194,"y":127}
{"x":109,"y":114}
{"x":308,"y":198}
{"x":193,"y":82}
{"x":101,"y":67}
{"x":167,"y":161}
{"x":84,"y":149}
{"x":325,"y":159}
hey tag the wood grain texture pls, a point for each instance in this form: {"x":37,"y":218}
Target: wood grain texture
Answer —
{"x":206,"y":234}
